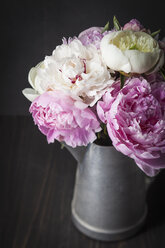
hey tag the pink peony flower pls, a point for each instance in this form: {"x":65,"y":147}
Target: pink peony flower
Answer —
{"x":135,"y":118}
{"x":154,"y":77}
{"x":60,"y":117}
{"x":91,"y":35}
{"x":134,"y":25}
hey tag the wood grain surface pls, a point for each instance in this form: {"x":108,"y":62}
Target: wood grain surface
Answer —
{"x":36,"y":188}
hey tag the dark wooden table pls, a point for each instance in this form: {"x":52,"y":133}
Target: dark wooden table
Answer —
{"x":36,"y":189}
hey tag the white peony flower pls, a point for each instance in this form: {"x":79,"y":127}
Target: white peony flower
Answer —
{"x":74,"y":69}
{"x":131,"y":51}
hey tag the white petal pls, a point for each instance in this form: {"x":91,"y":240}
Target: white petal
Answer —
{"x":30,"y":94}
{"x":118,"y":54}
{"x":113,"y":56}
{"x":32,"y":74}
{"x":159,"y":64}
{"x":142,"y":62}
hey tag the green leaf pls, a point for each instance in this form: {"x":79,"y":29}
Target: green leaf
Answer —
{"x":99,"y":135}
{"x":155,"y":33}
{"x":106,"y":28}
{"x":116,"y":24}
{"x":134,"y":47}
{"x":62,"y":146}
{"x":105,"y":130}
{"x":162,"y":71}
{"x":122,"y":80}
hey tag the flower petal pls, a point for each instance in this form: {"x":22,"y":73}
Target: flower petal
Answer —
{"x":30,"y":94}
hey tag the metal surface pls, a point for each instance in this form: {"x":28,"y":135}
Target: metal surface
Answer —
{"x":109,"y":195}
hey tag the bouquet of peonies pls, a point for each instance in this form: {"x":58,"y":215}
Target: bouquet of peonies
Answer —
{"x":105,"y":85}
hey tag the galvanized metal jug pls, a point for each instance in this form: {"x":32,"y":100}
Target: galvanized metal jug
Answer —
{"x":109,"y":196}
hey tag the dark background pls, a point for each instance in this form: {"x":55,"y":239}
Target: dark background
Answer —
{"x":32,"y":29}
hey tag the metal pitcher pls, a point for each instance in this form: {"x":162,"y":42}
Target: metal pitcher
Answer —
{"x":109,"y":201}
